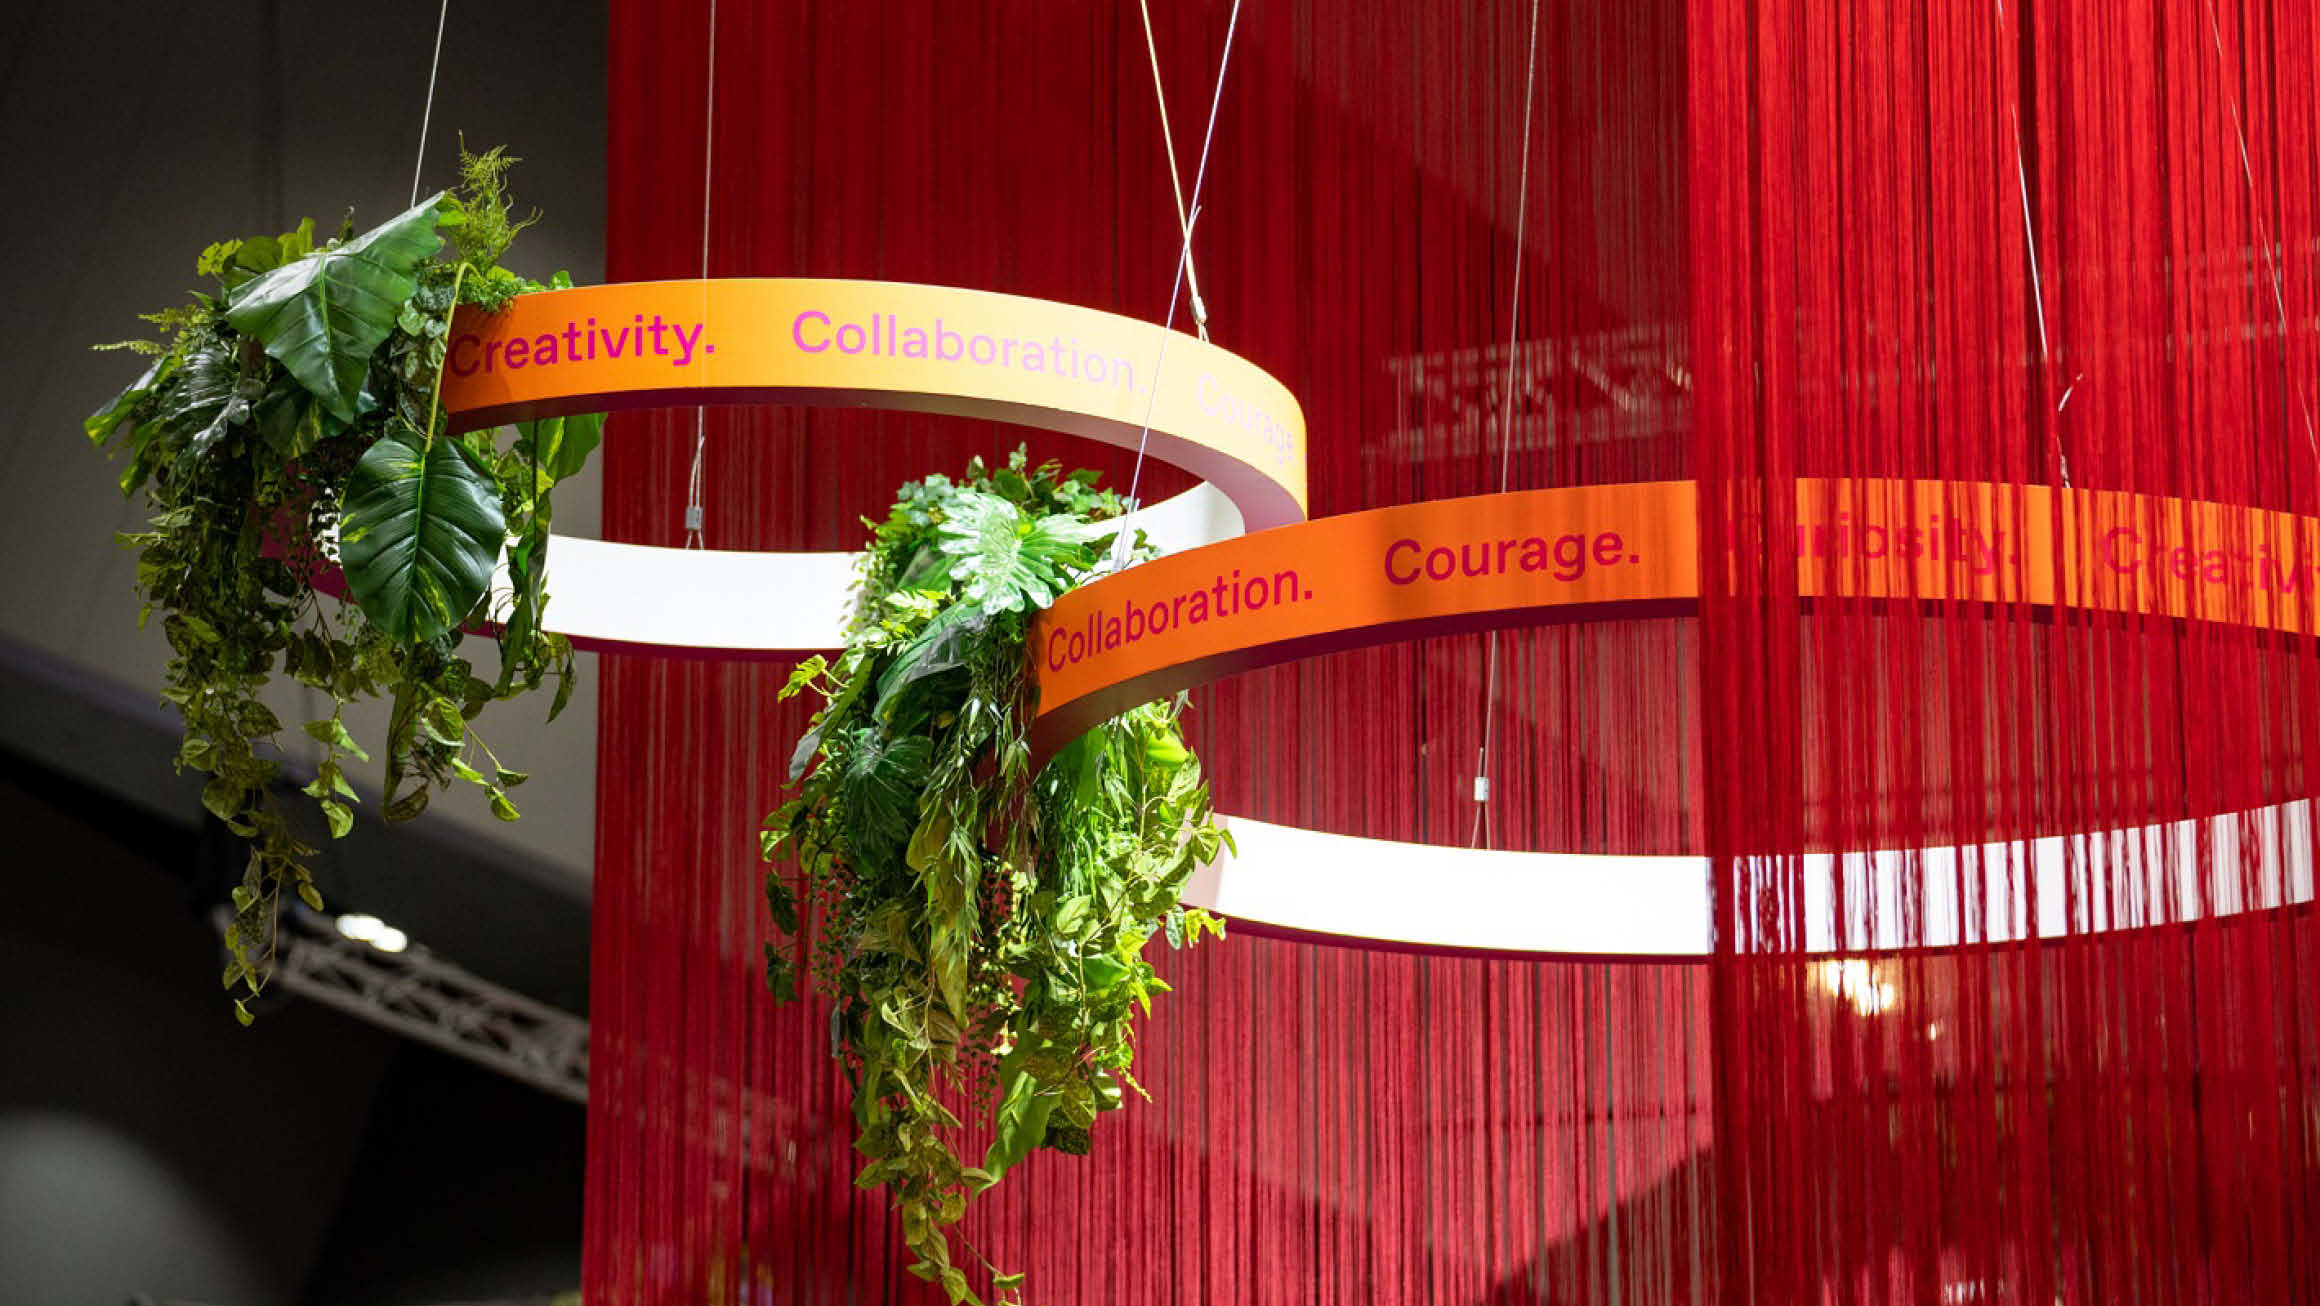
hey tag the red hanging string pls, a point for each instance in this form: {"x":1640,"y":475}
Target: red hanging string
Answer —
{"x":2104,"y":1116}
{"x":1767,"y":242}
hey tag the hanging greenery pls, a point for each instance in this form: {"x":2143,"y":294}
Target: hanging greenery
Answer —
{"x":289,"y":427}
{"x":980,"y":928}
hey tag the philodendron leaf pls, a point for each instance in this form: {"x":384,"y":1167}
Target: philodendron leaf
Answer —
{"x":1010,"y":562}
{"x":289,"y":421}
{"x":942,"y":646}
{"x":322,"y":316}
{"x":201,"y":405}
{"x":1022,"y":1125}
{"x":879,"y":791}
{"x":419,"y":535}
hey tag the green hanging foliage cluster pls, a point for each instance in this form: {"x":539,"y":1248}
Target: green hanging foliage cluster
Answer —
{"x":981,"y":928}
{"x":289,"y":426}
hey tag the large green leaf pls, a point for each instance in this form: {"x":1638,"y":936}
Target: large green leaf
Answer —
{"x":419,"y":535}
{"x":323,"y":315}
{"x":943,"y":645}
{"x":203,"y":404}
{"x":560,"y":445}
{"x":879,"y":790}
{"x":289,"y":420}
{"x":527,"y":566}
{"x":1022,"y":1125}
{"x":102,"y":423}
{"x":1010,"y":562}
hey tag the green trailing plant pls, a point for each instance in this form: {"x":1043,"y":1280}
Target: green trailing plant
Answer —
{"x":980,"y":928}
{"x":288,"y":429}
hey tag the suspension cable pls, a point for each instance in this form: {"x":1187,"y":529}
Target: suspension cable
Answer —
{"x":695,"y":514}
{"x":1481,"y":835}
{"x":1175,"y":178}
{"x":1122,"y":542}
{"x":427,"y":115}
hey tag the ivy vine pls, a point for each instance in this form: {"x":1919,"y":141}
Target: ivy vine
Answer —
{"x":288,"y":430}
{"x":981,"y":928}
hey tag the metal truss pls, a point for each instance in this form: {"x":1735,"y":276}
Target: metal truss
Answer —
{"x":421,"y":996}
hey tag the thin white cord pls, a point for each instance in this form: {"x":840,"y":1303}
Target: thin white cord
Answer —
{"x":427,"y":116}
{"x":695,"y":514}
{"x":1481,"y":835}
{"x":1122,"y":542}
{"x":1521,"y":228}
{"x":2255,"y":211}
{"x":2037,"y":280}
{"x":2029,"y":232}
{"x":1175,"y":178}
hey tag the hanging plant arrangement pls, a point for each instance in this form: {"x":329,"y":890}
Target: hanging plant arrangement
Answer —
{"x":980,"y":928}
{"x":288,"y":430}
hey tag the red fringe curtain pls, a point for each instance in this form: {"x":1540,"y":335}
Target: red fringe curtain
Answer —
{"x":2100,"y":1117}
{"x":1763,"y":242}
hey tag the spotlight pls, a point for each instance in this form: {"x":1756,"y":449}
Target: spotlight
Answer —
{"x":361,"y":927}
{"x":1844,"y":978}
{"x":1856,"y":982}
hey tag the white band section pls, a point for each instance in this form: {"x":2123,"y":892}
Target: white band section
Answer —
{"x":1432,"y":896}
{"x":605,"y":595}
{"x":642,"y":597}
{"x":1427,"y":896}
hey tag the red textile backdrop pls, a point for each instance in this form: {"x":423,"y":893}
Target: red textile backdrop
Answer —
{"x":1755,"y":247}
{"x":2124,"y":1117}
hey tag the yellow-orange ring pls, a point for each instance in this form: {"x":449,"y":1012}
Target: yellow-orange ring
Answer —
{"x":889,"y":345}
{"x":1593,"y":552}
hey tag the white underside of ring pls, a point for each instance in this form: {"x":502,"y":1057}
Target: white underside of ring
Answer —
{"x":1431,"y":896}
{"x":1427,"y":895}
{"x":730,"y":601}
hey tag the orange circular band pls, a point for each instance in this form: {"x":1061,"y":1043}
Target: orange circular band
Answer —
{"x":1593,"y":552}
{"x":882,"y":344}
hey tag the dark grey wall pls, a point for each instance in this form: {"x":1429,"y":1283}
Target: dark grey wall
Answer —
{"x":148,"y":1145}
{"x":147,"y":1142}
{"x":133,"y":134}
{"x":467,"y":1188}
